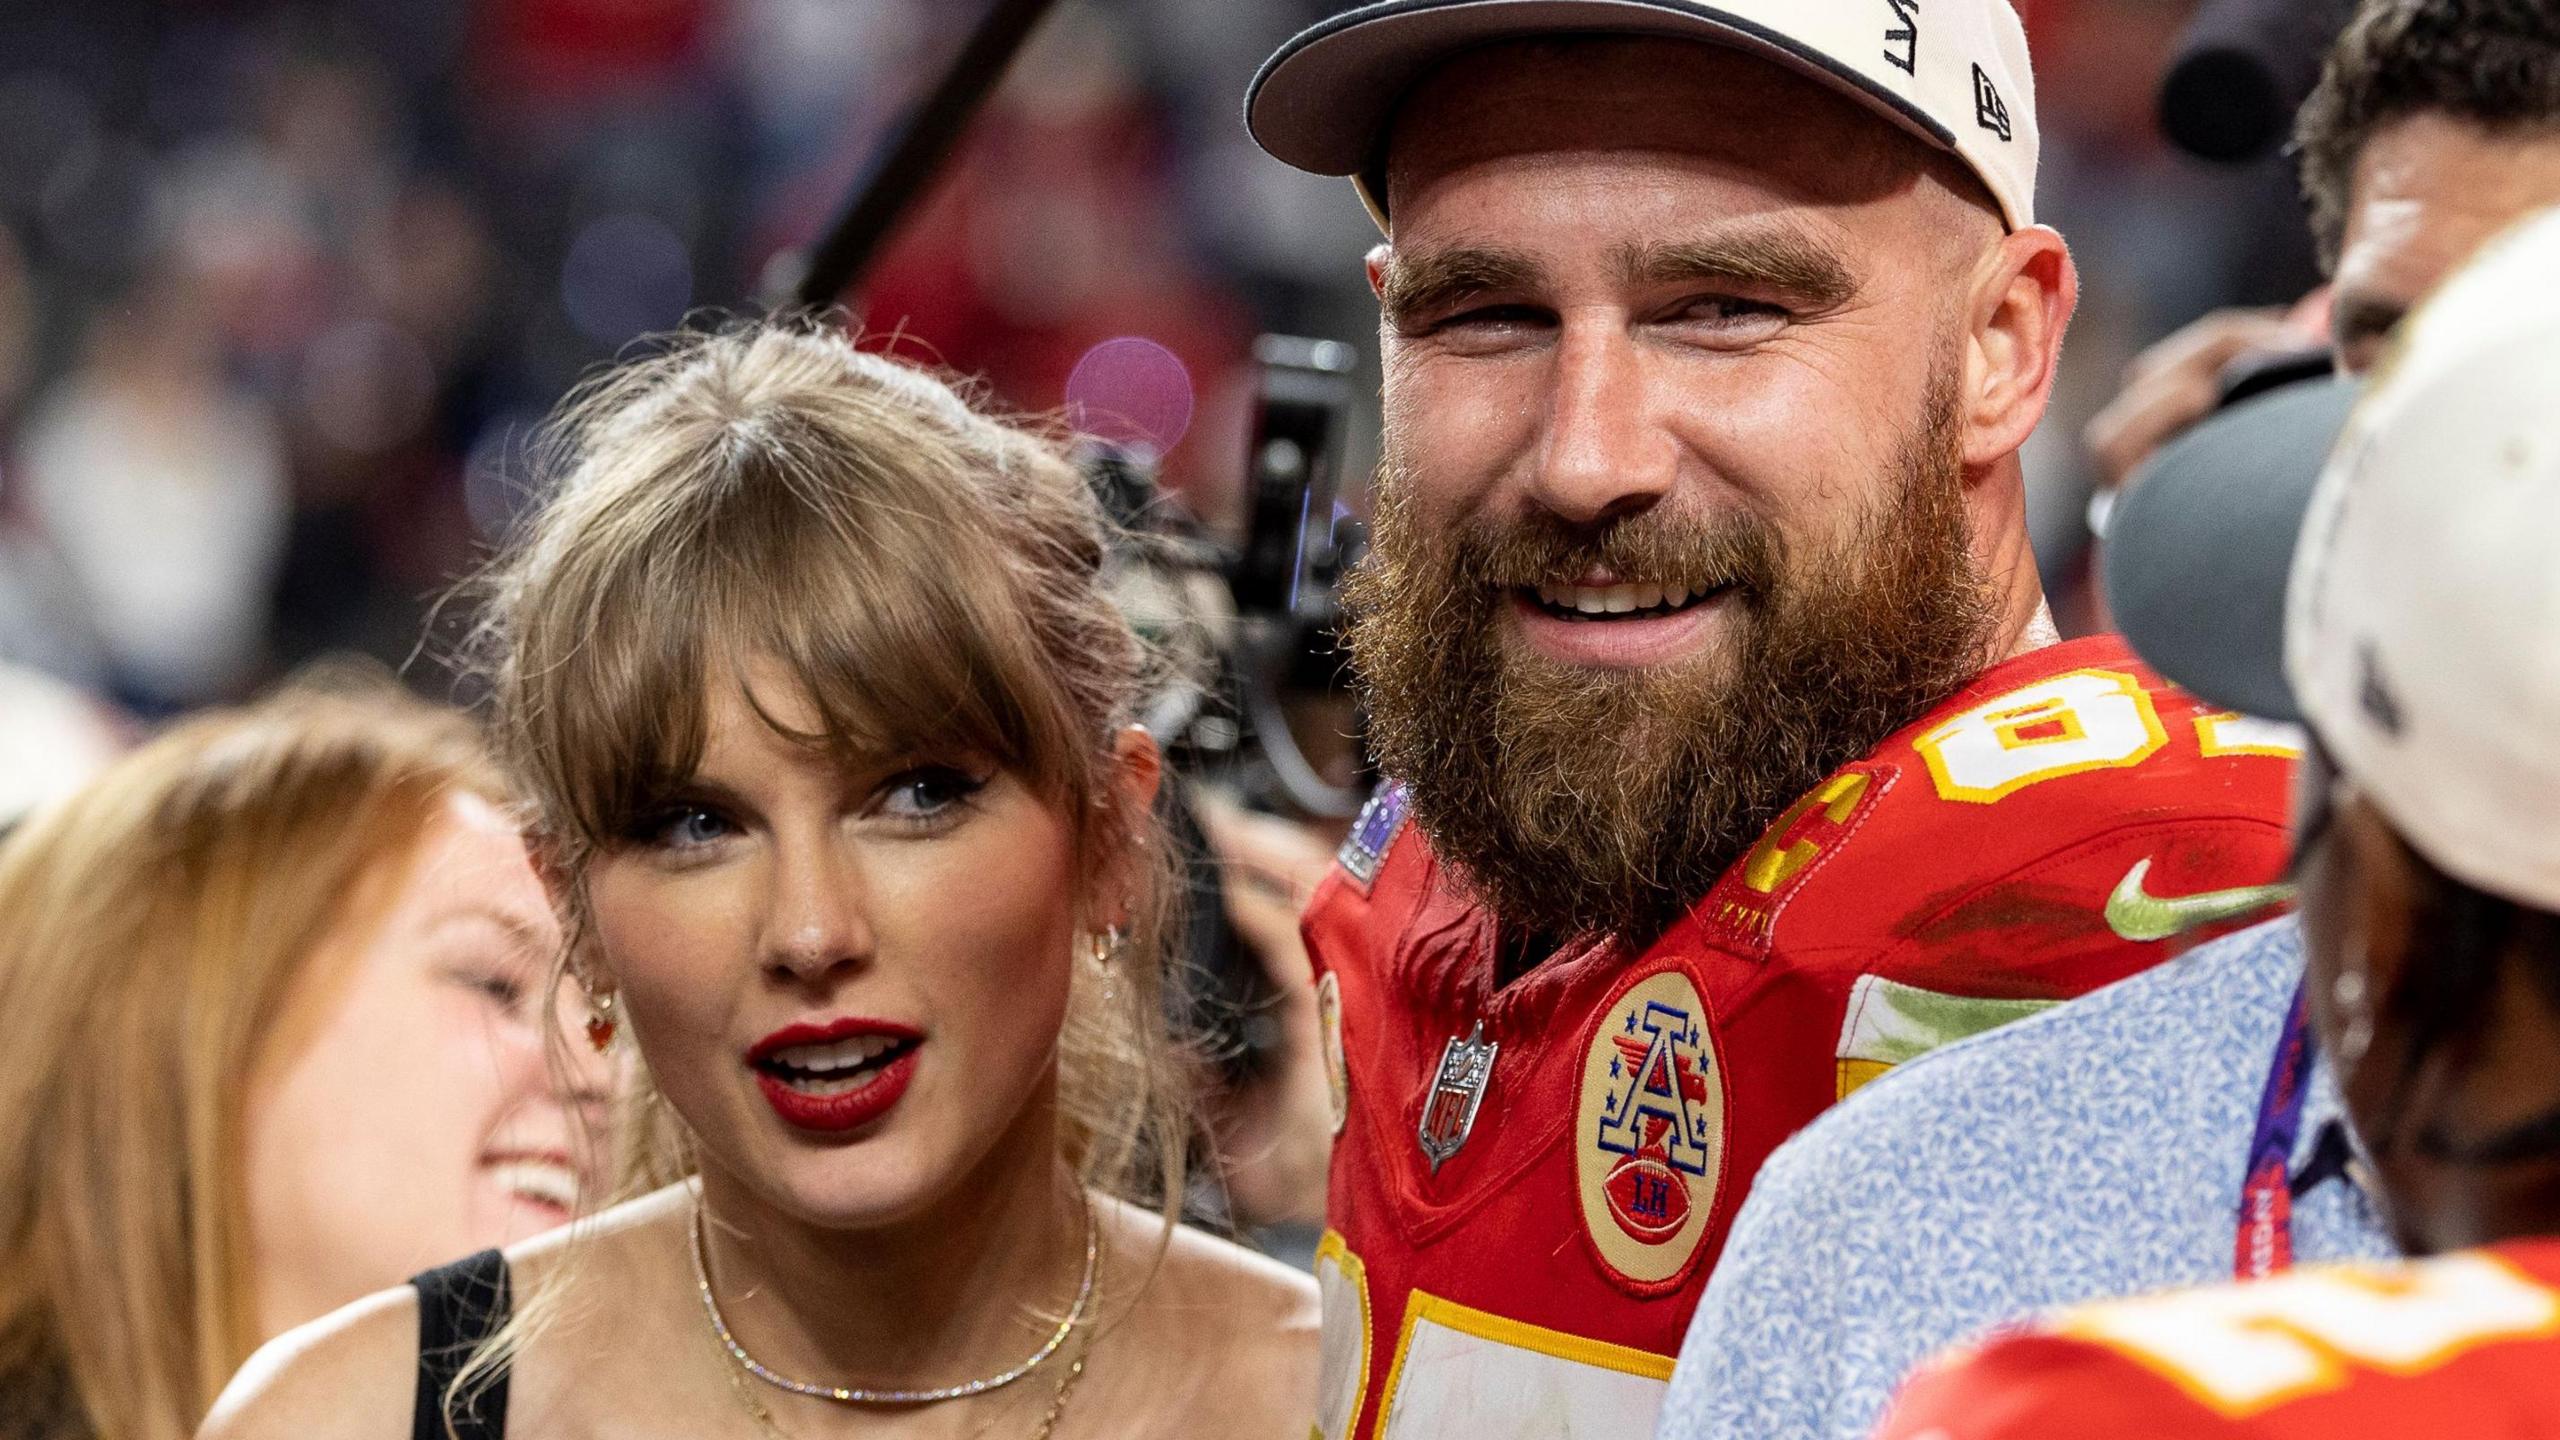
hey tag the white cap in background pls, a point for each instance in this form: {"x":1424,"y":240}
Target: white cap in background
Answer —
{"x":2422,"y":625}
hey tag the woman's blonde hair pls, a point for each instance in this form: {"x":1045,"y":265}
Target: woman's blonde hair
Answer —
{"x":151,"y":928}
{"x":931,"y":578}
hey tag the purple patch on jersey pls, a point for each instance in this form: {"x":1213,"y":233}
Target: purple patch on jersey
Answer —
{"x":1365,"y":849}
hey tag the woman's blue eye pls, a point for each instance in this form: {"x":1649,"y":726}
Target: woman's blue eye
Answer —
{"x":929,"y":792}
{"x":688,"y":826}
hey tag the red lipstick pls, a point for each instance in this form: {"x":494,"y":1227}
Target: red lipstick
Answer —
{"x":883,"y":1078}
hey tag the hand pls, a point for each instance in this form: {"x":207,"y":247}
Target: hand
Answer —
{"x":2178,"y":381}
{"x":1277,"y":1134}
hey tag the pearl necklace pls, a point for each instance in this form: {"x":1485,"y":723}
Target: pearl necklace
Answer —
{"x":852,"y":1396}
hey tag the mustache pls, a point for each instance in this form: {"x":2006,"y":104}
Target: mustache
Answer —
{"x":1574,"y":803}
{"x":1657,"y":547}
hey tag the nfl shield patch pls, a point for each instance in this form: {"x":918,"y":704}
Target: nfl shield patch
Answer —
{"x":1457,"y":1092}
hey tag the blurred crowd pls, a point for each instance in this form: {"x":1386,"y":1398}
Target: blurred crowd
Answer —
{"x":285,"y":285}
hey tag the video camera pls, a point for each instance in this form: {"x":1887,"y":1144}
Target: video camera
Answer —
{"x":1253,"y":705}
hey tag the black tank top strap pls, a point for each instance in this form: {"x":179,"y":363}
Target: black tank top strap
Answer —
{"x":459,"y":1307}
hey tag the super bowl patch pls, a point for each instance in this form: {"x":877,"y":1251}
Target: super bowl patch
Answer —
{"x":1365,"y":848}
{"x":1649,"y":1132}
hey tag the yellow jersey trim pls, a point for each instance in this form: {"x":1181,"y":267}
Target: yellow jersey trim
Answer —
{"x":1519,"y":1334}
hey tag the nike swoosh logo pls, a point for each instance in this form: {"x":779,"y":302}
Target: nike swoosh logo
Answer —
{"x":2137,"y":915}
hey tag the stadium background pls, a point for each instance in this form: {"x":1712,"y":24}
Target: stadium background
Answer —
{"x":285,"y":287}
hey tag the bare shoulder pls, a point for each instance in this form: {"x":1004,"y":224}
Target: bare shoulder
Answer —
{"x":1249,"y":1321}
{"x":353,"y":1374}
{"x":349,"y":1375}
{"x":608,"y":1250}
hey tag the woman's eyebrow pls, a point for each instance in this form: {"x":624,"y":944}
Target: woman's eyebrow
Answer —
{"x":524,"y":932}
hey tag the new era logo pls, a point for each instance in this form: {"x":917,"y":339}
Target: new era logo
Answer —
{"x":2374,"y":693}
{"x":1987,"y":106}
{"x":1902,"y":42}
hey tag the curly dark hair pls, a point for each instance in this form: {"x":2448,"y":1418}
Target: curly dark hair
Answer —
{"x":2495,"y":63}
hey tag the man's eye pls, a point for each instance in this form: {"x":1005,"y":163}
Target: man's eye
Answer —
{"x":928,"y":792}
{"x":1729,"y":310}
{"x":1490,"y":317}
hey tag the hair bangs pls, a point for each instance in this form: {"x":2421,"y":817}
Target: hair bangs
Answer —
{"x":898,"y":641}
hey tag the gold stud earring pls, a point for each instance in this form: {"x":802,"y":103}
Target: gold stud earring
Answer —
{"x":601,"y":1023}
{"x":1105,"y":947}
{"x":1104,"y":951}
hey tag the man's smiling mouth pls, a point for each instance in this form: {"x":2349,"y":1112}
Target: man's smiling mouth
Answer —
{"x":1618,"y":602}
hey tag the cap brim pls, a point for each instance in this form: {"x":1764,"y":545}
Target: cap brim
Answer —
{"x":2200,"y":548}
{"x":1323,"y":102}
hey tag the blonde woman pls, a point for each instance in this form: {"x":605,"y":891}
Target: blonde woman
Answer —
{"x":812,"y":675}
{"x":273,"y":998}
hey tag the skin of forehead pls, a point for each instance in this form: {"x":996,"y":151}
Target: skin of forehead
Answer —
{"x":2431,"y":189}
{"x":1697,"y":106}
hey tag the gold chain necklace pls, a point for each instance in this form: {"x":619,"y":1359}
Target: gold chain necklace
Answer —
{"x":1066,"y":1383}
{"x":763,"y":1417}
{"x":743,"y":1364}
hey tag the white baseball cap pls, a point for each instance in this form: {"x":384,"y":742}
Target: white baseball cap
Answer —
{"x":2422,"y":624}
{"x":2418,"y":567}
{"x":1954,"y":73}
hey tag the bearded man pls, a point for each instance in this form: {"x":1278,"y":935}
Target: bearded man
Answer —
{"x":1736,"y":758}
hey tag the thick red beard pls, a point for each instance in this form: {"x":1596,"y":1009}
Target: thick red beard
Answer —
{"x":1582,"y":802}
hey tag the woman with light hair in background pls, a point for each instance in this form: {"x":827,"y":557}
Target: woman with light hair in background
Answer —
{"x":273,"y":1011}
{"x":813,"y":677}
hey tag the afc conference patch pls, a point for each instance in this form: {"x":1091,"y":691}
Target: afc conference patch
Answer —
{"x":1365,"y":848}
{"x":1649,"y":1134}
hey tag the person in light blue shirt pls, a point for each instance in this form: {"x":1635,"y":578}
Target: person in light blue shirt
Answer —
{"x":2095,"y":1150}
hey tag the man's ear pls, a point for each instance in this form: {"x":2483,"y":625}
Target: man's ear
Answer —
{"x":2025,"y":289}
{"x":1376,"y":265}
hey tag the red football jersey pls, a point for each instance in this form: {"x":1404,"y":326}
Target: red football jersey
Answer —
{"x":1530,"y":1183}
{"x":2466,"y":1345}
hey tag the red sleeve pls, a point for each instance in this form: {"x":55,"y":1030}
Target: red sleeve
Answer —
{"x":2042,"y":1387}
{"x":2095,"y":909}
